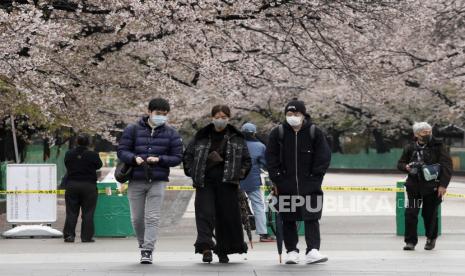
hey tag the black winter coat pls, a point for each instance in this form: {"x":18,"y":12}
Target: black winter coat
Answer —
{"x":303,"y":165}
{"x":82,"y":164}
{"x":237,"y":162}
{"x":435,"y":152}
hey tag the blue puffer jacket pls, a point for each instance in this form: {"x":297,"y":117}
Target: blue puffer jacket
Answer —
{"x":257,"y":153}
{"x":163,"y":142}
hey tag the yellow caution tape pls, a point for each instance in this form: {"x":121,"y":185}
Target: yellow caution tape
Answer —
{"x":455,"y":195}
{"x":362,"y":189}
{"x":12,"y":192}
{"x":41,"y":192}
{"x":266,"y":188}
{"x":179,"y":188}
{"x":325,"y":188}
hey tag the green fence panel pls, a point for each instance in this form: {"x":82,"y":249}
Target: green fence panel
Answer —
{"x":364,"y":160}
{"x":35,"y":155}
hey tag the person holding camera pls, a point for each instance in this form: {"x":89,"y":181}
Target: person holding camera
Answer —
{"x":429,"y":167}
{"x":151,"y":147}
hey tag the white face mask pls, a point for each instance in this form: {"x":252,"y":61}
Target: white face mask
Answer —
{"x":294,"y":120}
{"x":220,"y":123}
{"x":158,"y":120}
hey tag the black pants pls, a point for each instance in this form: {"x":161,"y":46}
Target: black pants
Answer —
{"x":80,"y":196}
{"x":429,"y":213}
{"x":217,"y":214}
{"x":312,"y":235}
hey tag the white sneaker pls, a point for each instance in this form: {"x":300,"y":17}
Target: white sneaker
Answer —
{"x":292,"y":257}
{"x":314,"y":257}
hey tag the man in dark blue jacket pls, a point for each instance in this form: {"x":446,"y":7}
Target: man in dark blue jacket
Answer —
{"x":151,"y":147}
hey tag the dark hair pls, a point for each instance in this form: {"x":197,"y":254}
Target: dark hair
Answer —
{"x":83,"y":140}
{"x":159,"y":104}
{"x":221,"y":108}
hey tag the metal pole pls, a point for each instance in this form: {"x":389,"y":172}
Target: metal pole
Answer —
{"x":15,"y":143}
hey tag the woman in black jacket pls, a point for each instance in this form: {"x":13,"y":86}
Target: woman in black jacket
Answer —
{"x":81,"y":189}
{"x":216,"y":160}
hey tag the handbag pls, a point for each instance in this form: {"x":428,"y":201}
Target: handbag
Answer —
{"x":123,"y":172}
{"x":431,"y":172}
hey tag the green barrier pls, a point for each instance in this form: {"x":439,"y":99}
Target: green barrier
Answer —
{"x":3,"y":177}
{"x":366,"y":160}
{"x":35,"y":155}
{"x":400,"y":214}
{"x":112,"y":216}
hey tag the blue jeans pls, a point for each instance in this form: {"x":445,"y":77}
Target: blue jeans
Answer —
{"x":258,"y":208}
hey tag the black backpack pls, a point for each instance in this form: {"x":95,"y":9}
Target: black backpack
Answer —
{"x":312,"y":137}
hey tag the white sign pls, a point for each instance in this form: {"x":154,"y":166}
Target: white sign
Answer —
{"x":31,"y":207}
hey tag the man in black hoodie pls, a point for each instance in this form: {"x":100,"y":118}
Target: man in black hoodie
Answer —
{"x":297,"y":157}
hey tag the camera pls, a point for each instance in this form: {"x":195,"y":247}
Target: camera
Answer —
{"x":415,"y":167}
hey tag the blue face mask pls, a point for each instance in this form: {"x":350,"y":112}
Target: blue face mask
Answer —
{"x":158,"y":120}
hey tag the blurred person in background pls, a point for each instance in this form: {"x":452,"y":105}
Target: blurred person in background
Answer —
{"x":81,"y":189}
{"x":251,"y":185}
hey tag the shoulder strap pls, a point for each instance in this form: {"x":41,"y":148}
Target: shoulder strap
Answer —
{"x":281,"y":133}
{"x":312,"y":132}
{"x":416,"y":152}
{"x":281,"y":142}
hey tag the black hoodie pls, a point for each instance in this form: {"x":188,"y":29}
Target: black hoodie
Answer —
{"x":82,"y":164}
{"x":304,"y":161}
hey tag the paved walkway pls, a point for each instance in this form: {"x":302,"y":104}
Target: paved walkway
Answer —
{"x":356,"y":243}
{"x":348,"y":255}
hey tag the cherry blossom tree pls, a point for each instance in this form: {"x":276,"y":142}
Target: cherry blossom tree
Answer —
{"x":360,"y":65}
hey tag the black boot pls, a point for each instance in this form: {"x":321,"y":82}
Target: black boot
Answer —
{"x":409,"y":247}
{"x":223,"y":259}
{"x":91,"y":240}
{"x":69,"y":239}
{"x":207,"y":256}
{"x":430,"y":244}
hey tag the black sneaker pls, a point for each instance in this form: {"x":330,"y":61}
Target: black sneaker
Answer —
{"x":207,"y":256}
{"x":409,"y":247}
{"x":223,"y":259}
{"x":146,"y":257}
{"x":430,"y":244}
